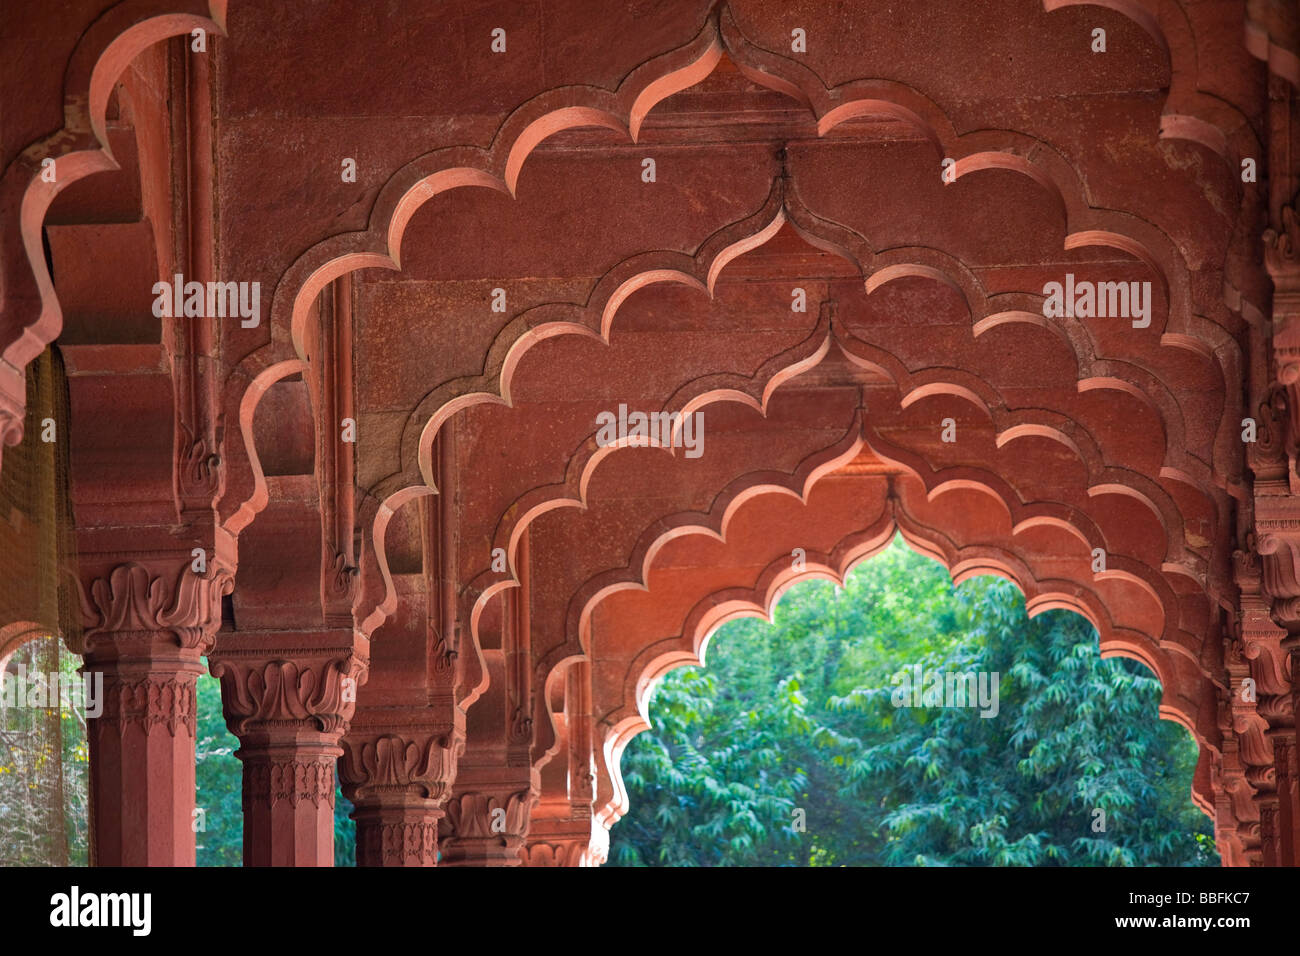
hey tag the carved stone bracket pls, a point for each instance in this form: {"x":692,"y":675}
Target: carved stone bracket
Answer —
{"x":1282,"y":259}
{"x":198,"y":475}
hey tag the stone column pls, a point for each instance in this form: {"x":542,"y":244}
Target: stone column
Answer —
{"x":1265,"y":645}
{"x":288,"y":697}
{"x":488,"y":816}
{"x":398,"y":768}
{"x":148,"y":626}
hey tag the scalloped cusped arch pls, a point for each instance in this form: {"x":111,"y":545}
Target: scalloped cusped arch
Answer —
{"x":859,"y":512}
{"x":828,"y":254}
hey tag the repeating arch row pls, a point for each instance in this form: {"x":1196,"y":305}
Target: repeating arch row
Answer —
{"x":622,"y":705}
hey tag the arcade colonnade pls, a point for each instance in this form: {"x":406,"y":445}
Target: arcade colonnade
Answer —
{"x":442,"y":377}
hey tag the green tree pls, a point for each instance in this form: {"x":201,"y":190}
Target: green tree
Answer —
{"x":796,"y":721}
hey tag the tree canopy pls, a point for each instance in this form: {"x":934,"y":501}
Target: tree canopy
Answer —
{"x":788,"y":749}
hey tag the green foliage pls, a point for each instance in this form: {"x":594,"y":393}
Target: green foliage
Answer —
{"x":345,"y":830}
{"x":798,"y":716}
{"x":217,"y":775}
{"x":44,"y":763}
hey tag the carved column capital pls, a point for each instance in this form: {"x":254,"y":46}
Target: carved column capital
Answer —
{"x":1282,"y":259}
{"x":577,"y":841}
{"x":398,"y":768}
{"x":288,"y":697}
{"x":147,"y":623}
{"x":389,"y":763}
{"x":488,"y":815}
{"x":486,"y":823}
{"x":571,"y":852}
{"x":136,"y":602}
{"x":274,"y":682}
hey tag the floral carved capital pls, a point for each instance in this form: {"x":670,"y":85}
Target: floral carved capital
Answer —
{"x":488,"y":815}
{"x":556,"y":853}
{"x":319,"y":692}
{"x":135,"y":599}
{"x":396,"y":764}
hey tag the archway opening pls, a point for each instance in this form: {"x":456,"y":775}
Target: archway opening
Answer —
{"x":902,"y":720}
{"x":44,"y":756}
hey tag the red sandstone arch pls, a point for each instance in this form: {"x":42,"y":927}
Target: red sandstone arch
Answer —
{"x":975,"y":163}
{"x":620,"y":707}
{"x":1168,"y":472}
{"x":1066,"y":468}
{"x":101,"y":56}
{"x":14,"y":636}
{"x":656,"y":89}
{"x":653,"y":540}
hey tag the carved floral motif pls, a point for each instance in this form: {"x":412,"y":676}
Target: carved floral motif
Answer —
{"x":478,"y":815}
{"x":314,"y":691}
{"x":134,"y":599}
{"x":396,"y":764}
{"x":307,"y":779}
